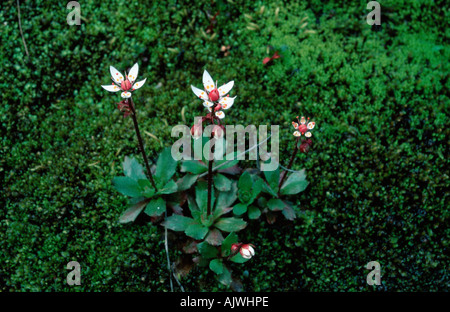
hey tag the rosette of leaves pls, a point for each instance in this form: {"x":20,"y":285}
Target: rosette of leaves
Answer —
{"x":295,"y":183}
{"x":199,"y":166}
{"x":143,"y":197}
{"x":249,"y":187}
{"x":200,"y":225}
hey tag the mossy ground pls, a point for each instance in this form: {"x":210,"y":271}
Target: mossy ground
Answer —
{"x":378,"y":169}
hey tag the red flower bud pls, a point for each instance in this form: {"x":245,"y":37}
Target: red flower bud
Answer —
{"x":235,"y":247}
{"x":196,"y":131}
{"x":304,"y":147}
{"x":214,"y":95}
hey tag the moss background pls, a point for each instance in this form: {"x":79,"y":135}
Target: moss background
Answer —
{"x":378,"y":169}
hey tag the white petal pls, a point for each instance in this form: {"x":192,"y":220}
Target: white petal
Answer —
{"x":138,"y":84}
{"x":116,"y":75}
{"x":223,"y":90}
{"x":226,"y":102}
{"x":200,"y":93}
{"x":132,"y":75}
{"x":297,"y":133}
{"x":308,"y":134}
{"x":208,"y":82}
{"x":295,"y":125}
{"x":111,"y":88}
{"x":126,"y":94}
{"x":311,"y":125}
{"x":303,"y":120}
{"x":208,"y":104}
{"x":220,"y":114}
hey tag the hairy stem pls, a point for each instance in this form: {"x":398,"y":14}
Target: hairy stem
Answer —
{"x":291,"y":162}
{"x":141,"y":144}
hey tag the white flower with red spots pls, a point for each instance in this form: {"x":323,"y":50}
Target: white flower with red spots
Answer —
{"x":211,"y":95}
{"x":124,"y":83}
{"x":302,"y":128}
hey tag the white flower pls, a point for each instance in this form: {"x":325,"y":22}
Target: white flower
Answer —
{"x":126,"y":84}
{"x":212,"y":95}
{"x":302,"y":127}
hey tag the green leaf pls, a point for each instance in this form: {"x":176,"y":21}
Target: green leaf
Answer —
{"x":146,"y":187}
{"x":218,"y":212}
{"x":226,"y":199}
{"x":186,"y":182}
{"x":193,"y":166}
{"x":245,"y":182}
{"x":133,"y":169}
{"x":231,"y":239}
{"x":237,"y":258}
{"x":239,"y":209}
{"x":132,"y":213}
{"x":288,"y":213}
{"x":268,"y":190}
{"x":230,"y":224}
{"x":155,"y":207}
{"x":295,"y":183}
{"x":276,"y":204}
{"x":127,"y":186}
{"x":273,"y":178}
{"x":178,"y":223}
{"x":257,"y":187}
{"x":221,"y":182}
{"x":196,"y":213}
{"x":165,"y":166}
{"x":170,"y":188}
{"x":253,"y":212}
{"x":225,"y":277}
{"x":216,"y":266}
{"x":196,"y":231}
{"x":207,"y":251}
{"x":214,"y":237}
{"x":201,"y":196}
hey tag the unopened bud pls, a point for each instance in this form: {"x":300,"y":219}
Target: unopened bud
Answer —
{"x":247,"y":251}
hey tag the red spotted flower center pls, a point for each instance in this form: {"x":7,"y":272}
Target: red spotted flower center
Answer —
{"x":125,"y":85}
{"x":214,"y":95}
